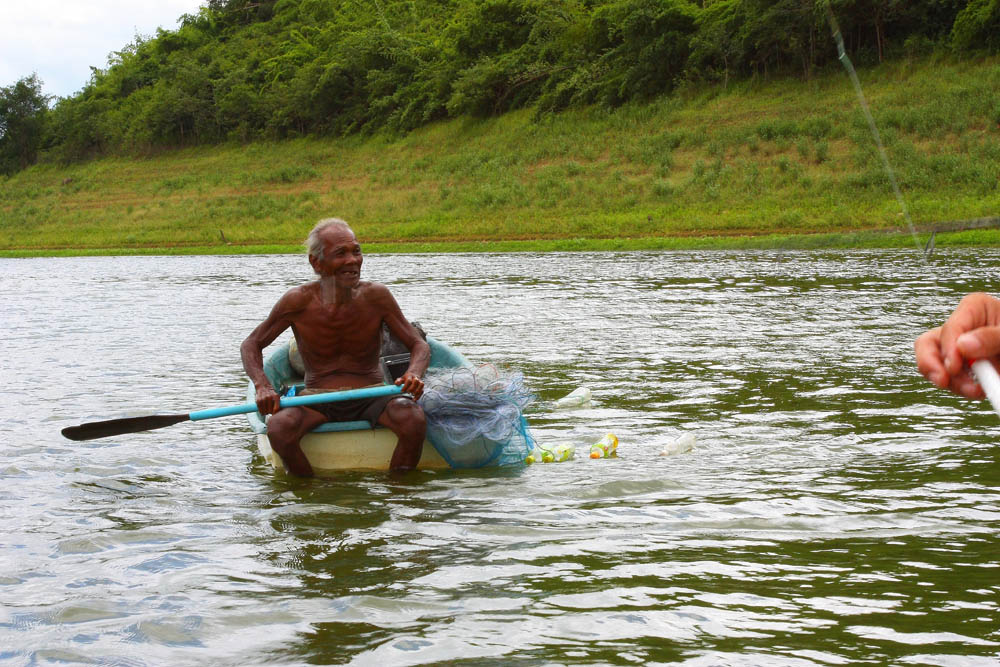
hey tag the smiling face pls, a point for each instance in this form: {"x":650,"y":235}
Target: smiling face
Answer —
{"x":342,"y":257}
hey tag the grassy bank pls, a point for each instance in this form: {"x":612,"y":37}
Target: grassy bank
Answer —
{"x":780,"y":164}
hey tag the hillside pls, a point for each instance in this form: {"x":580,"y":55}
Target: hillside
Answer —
{"x":779,"y":161}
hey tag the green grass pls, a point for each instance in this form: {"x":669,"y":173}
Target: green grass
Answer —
{"x":984,"y":237}
{"x":780,"y":164}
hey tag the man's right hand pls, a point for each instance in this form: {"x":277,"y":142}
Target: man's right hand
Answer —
{"x":268,"y":401}
{"x":971,"y":332}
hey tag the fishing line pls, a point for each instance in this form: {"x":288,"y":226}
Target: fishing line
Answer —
{"x":846,"y":62}
{"x":983,"y":369}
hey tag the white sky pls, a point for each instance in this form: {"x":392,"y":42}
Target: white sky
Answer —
{"x":61,"y":39}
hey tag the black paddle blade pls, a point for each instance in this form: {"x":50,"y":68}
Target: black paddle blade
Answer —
{"x":119,"y":426}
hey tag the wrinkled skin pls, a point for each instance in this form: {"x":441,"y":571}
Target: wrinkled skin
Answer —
{"x":337,"y":323}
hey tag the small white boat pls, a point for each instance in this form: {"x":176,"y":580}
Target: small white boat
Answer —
{"x":344,"y":445}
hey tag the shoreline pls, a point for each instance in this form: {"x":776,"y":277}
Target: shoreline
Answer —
{"x":817,"y":241}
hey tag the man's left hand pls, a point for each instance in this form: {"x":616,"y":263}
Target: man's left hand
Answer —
{"x":411,"y":384}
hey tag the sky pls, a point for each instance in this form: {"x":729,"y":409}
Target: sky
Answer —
{"x":60,"y":40}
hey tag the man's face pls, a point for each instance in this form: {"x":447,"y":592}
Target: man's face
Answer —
{"x":342,"y":257}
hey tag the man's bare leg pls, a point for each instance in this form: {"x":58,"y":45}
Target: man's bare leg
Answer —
{"x":406,"y":419}
{"x":285,"y":429}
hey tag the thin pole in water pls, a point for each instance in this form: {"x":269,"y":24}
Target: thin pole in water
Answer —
{"x":984,"y":371}
{"x":846,"y":62}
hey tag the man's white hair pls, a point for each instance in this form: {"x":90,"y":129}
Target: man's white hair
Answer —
{"x":314,"y":242}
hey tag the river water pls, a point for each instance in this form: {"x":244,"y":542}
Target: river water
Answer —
{"x":835,"y":508}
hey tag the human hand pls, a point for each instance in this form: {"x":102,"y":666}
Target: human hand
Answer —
{"x":411,"y":384}
{"x":268,"y":401}
{"x":971,"y":332}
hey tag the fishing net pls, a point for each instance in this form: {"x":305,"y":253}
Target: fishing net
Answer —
{"x":475,"y":416}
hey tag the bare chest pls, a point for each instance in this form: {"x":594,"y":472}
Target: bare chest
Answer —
{"x":337,"y":329}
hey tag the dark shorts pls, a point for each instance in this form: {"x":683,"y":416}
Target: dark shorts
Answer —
{"x":366,"y":409}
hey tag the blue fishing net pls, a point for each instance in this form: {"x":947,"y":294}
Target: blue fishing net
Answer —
{"x":475,"y":416}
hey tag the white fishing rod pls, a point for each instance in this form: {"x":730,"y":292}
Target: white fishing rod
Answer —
{"x":983,"y":369}
{"x":989,"y":380}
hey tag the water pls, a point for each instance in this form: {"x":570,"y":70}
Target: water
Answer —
{"x":836,"y":508}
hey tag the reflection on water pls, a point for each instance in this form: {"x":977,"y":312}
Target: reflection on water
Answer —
{"x":835,"y":509}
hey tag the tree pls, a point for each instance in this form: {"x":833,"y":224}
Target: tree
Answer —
{"x":977,"y":27}
{"x":643,"y":48}
{"x":716,"y":50}
{"x":23,"y":110}
{"x":781,"y":33}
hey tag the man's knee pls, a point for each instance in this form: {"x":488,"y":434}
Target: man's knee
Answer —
{"x":279,"y":422}
{"x":288,"y":425}
{"x":404,"y":416}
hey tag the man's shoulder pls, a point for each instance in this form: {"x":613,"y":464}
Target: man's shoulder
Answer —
{"x":301,"y":294}
{"x":372,"y":289}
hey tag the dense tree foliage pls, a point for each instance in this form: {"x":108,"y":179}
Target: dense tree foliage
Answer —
{"x":246,"y":69}
{"x":978,"y":26}
{"x":23,"y":110}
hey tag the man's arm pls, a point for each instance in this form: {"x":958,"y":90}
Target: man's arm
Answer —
{"x":252,"y":349}
{"x":420,"y":351}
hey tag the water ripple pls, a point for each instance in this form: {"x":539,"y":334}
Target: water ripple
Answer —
{"x":835,"y":510}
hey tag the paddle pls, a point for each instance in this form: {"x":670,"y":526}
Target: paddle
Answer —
{"x":111,"y":427}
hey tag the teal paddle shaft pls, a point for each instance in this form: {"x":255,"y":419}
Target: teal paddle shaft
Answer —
{"x":293,"y":401}
{"x":111,"y":427}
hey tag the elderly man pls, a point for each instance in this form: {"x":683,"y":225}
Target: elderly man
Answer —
{"x":337,"y":321}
